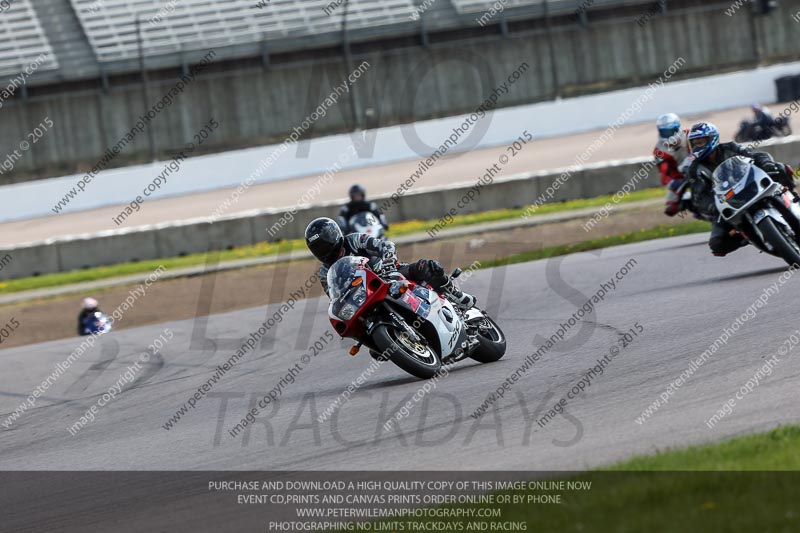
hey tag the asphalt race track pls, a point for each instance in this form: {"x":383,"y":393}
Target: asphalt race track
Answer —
{"x":681,"y":295}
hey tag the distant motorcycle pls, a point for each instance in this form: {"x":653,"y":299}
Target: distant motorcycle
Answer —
{"x":761,"y":131}
{"x":366,"y":222}
{"x":761,"y":209}
{"x":406,"y":323}
{"x":97,"y":322}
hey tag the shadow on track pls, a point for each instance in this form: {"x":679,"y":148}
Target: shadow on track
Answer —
{"x":714,"y":281}
{"x":673,"y":247}
{"x":401,"y":380}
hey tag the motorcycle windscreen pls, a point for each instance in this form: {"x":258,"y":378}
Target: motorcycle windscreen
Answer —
{"x":364,"y":222}
{"x":346,"y":286}
{"x":732,"y":172}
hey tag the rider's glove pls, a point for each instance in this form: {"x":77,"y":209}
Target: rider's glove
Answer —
{"x":387,"y":271}
{"x":389,"y":254}
{"x":772,"y":168}
{"x":394,"y":275}
{"x":683,"y":168}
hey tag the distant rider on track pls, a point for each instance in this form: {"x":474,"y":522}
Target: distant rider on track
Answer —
{"x":763,"y":117}
{"x":672,"y":158}
{"x":358,"y":203}
{"x":86,"y":318}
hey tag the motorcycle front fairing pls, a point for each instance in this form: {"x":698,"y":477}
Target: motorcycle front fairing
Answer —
{"x":738,"y":186}
{"x":353,"y":288}
{"x":745,"y":195}
{"x":366,"y":222}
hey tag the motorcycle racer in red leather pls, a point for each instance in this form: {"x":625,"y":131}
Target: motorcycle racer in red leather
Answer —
{"x":673,"y":158}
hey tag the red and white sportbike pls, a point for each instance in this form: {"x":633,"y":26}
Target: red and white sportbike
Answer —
{"x":416,"y":328}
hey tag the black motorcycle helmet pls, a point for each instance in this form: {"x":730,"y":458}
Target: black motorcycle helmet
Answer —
{"x":357,"y":189}
{"x":325,"y":240}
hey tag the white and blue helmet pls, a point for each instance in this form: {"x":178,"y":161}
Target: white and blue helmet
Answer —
{"x":668,"y":125}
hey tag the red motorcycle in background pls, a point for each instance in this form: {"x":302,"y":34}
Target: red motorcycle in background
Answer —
{"x":407,"y":323}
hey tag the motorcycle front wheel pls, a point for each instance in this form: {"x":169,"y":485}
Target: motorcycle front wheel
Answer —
{"x":491,"y":341}
{"x":413,"y":356}
{"x":783,"y":245}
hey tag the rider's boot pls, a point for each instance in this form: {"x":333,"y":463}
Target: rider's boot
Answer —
{"x":461,"y":299}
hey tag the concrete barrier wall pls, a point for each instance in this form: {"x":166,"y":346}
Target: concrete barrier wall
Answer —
{"x":200,"y":235}
{"x":399,"y":143}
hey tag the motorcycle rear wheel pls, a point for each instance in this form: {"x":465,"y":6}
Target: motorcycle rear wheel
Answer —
{"x":784,"y":247}
{"x":416,"y":358}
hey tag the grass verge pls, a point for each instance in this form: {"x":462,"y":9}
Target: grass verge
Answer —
{"x":776,"y":450}
{"x":422,"y":226}
{"x":734,"y":485}
{"x":145,"y":267}
{"x":743,"y":484}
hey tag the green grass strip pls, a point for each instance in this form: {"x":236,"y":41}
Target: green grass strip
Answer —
{"x":423,"y":226}
{"x":744,"y":484}
{"x":269,"y":249}
{"x":776,"y":450}
{"x":737,"y":485}
{"x":144,"y":267}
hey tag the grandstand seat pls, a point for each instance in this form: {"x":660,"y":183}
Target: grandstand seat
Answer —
{"x":22,"y":40}
{"x":475,"y":6}
{"x":170,"y":26}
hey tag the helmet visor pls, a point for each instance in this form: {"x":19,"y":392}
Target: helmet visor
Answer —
{"x":699,"y":144}
{"x":665,"y":132}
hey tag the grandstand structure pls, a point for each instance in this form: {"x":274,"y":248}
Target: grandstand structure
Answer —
{"x":102,"y":63}
{"x":178,"y":25}
{"x":86,"y":39}
{"x":23,"y":41}
{"x":477,"y":6}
